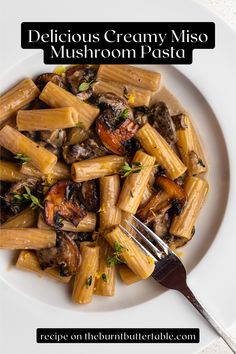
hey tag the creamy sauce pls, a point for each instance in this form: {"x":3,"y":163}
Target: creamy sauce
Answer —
{"x":175,"y":107}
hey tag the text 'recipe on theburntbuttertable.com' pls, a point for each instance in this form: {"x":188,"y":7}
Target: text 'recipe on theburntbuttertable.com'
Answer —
{"x":118,"y":335}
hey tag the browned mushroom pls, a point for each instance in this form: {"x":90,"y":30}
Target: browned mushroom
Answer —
{"x":61,"y":202}
{"x":89,"y":148}
{"x":169,"y":195}
{"x":163,"y":122}
{"x":115,"y":126}
{"x":115,"y":140}
{"x":89,"y":195}
{"x":116,"y":104}
{"x":43,"y":79}
{"x":64,"y":256}
{"x":80,"y":78}
{"x":161,"y":223}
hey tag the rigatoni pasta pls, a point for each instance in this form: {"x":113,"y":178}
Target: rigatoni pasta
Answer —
{"x":14,"y":141}
{"x":130,"y":253}
{"x":182,"y":225}
{"x":97,"y":146}
{"x":87,"y":224}
{"x":105,"y":281}
{"x":10,"y":172}
{"x":156,"y":146}
{"x":29,"y":238}
{"x":16,"y":98}
{"x":127,"y":276}
{"x":109,"y":213}
{"x":28,"y":261}
{"x":190,"y":149}
{"x":46,"y":119}
{"x":56,"y":96}
{"x":135,"y":184}
{"x":85,"y":278}
{"x":26,"y":218}
{"x":130,"y":75}
{"x":96,"y":168}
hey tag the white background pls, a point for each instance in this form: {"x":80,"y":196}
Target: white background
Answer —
{"x":20,"y":332}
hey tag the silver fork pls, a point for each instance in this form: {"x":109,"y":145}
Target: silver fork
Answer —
{"x":169,"y":271}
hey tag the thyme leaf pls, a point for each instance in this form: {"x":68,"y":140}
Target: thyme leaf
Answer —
{"x":22,"y":158}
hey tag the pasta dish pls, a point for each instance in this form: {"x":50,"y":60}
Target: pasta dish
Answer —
{"x":82,"y":150}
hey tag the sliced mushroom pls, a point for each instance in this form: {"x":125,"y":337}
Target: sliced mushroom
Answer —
{"x":116,"y":140}
{"x":116,"y":126}
{"x":78,"y":75}
{"x":64,"y":256}
{"x":88,"y":149}
{"x":163,"y":123}
{"x":170,"y":195}
{"x":43,"y":79}
{"x":89,"y":195}
{"x":61,"y":202}
{"x":52,"y":140}
{"x":161,"y":223}
{"x":13,"y":198}
{"x":116,"y":104}
{"x":179,"y":121}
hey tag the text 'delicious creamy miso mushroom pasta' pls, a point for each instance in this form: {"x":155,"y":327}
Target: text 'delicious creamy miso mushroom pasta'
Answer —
{"x":82,"y":150}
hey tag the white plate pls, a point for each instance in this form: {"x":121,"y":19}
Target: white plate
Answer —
{"x":207,"y":225}
{"x":211,"y":76}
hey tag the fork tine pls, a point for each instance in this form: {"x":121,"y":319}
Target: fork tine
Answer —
{"x":160,"y":242}
{"x":145,"y":240}
{"x":137,"y":242}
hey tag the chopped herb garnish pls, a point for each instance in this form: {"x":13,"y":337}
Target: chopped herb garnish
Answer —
{"x":79,"y":125}
{"x":123,"y":115}
{"x":85,"y":86}
{"x":127,"y":169}
{"x":35,"y":203}
{"x":201,"y":163}
{"x":89,"y":281}
{"x":104,"y":277}
{"x":115,"y":257}
{"x":22,"y":158}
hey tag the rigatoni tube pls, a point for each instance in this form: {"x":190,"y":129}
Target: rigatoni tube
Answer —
{"x":134,"y":95}
{"x":87,"y":224}
{"x":182,"y":225}
{"x":59,"y":171}
{"x":46,"y":119}
{"x":109,"y":214}
{"x":10,"y":172}
{"x":96,"y":168}
{"x":56,"y":97}
{"x":26,"y":218}
{"x":130,"y":75}
{"x":28,"y":261}
{"x":190,"y":148}
{"x":135,"y":183}
{"x":127,"y":276}
{"x":156,"y":146}
{"x":14,"y":141}
{"x":16,"y":98}
{"x":85,"y":278}
{"x":106,"y":275}
{"x":16,"y":239}
{"x":130,"y":253}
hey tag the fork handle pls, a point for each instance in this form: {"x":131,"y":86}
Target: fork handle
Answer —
{"x":217,"y":327}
